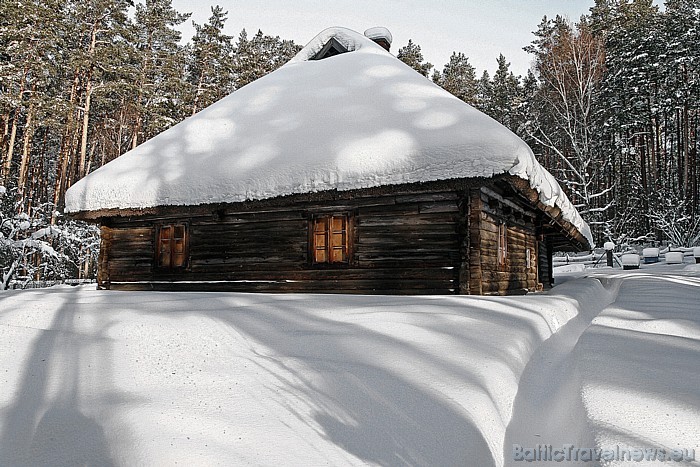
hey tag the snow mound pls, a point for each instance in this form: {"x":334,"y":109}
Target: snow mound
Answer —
{"x":356,"y":120}
{"x":566,"y":272}
{"x":674,"y":257}
{"x":651,"y":252}
{"x":630,"y":259}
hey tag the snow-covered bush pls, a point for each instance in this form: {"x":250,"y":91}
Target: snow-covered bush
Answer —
{"x":33,"y":246}
{"x":674,"y":218}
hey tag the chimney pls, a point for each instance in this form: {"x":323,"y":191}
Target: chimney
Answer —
{"x":380,"y":35}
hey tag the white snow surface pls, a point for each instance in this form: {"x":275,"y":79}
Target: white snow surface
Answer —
{"x":356,"y":120}
{"x":674,"y":257}
{"x":379,"y":32}
{"x":93,"y":377}
{"x":630,"y":259}
{"x":651,"y":252}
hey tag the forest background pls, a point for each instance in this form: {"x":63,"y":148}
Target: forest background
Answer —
{"x":610,"y":106}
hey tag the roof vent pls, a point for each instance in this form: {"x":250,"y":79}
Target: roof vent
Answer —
{"x":380,"y":35}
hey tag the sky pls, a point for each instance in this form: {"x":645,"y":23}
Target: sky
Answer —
{"x":481,"y":29}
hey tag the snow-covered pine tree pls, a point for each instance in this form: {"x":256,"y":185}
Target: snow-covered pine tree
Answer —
{"x":210,"y":62}
{"x":484,"y":93}
{"x":505,"y":94}
{"x":160,"y":87}
{"x":411,"y":55}
{"x":681,"y":65}
{"x":256,"y":57}
{"x":630,"y":107}
{"x":33,"y":249}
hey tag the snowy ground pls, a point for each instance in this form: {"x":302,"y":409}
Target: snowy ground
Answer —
{"x":121,"y":378}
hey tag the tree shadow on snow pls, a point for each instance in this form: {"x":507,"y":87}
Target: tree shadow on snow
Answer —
{"x":47,"y":424}
{"x":360,"y":405}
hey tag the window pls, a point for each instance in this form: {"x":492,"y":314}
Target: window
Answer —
{"x":331,"y":49}
{"x":528,"y":260}
{"x":172,"y":246}
{"x":502,"y":245}
{"x":330,"y":239}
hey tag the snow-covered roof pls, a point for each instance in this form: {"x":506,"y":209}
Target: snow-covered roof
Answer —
{"x":356,"y":120}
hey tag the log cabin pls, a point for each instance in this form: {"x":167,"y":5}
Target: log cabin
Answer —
{"x":344,"y":171}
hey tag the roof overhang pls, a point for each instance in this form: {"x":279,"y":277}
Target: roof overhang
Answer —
{"x":562,"y":233}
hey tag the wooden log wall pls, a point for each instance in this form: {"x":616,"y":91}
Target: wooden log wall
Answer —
{"x":489,"y":210}
{"x":402,"y":244}
{"x":544,"y":264}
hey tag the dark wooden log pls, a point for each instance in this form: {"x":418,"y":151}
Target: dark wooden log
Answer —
{"x":475,"y":265}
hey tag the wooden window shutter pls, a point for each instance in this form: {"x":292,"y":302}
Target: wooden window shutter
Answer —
{"x":320,"y":240}
{"x":502,"y":245}
{"x":164,"y":248}
{"x":329,"y":240}
{"x":172,"y":246}
{"x":338,"y":246}
{"x":178,"y":246}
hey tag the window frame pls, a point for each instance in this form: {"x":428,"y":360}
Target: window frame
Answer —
{"x":348,"y":244}
{"x":528,"y":258}
{"x":502,"y":247}
{"x":186,"y":246}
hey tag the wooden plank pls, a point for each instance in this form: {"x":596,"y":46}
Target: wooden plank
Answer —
{"x":103,"y":279}
{"x":248,"y":287}
{"x":475,"y":266}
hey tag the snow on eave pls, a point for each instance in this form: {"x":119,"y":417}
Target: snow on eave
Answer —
{"x":550,"y":192}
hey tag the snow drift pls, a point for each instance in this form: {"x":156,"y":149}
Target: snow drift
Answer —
{"x":147,"y":378}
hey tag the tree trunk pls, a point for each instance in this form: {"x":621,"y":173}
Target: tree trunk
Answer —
{"x":86,"y":122}
{"x":88,"y":100}
{"x":7,"y":162}
{"x":198,"y":92}
{"x":64,"y":152}
{"x":26,"y":149}
{"x":686,"y":149}
{"x":5,"y":130}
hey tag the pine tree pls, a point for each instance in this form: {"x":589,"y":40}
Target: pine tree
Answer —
{"x":104,"y":29}
{"x":484,"y":95}
{"x":27,"y":63}
{"x":161,"y":67}
{"x":259,"y":56}
{"x":210,"y":66}
{"x":504,"y":94}
{"x":459,"y":78}
{"x":681,"y":65}
{"x":632,"y":111}
{"x":411,"y":55}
